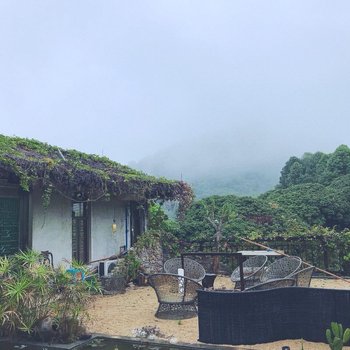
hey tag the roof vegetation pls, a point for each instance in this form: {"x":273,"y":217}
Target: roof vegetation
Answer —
{"x":81,"y":176}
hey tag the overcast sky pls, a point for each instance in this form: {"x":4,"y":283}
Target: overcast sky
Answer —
{"x":129,"y":78}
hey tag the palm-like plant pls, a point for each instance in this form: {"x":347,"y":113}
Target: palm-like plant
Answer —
{"x":4,"y":266}
{"x":32,"y":292}
{"x":25,"y":291}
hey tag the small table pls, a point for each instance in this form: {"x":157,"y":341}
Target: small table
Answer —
{"x":260,"y":252}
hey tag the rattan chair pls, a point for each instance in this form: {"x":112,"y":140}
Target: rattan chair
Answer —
{"x":192,"y":268}
{"x":176,"y":295}
{"x":252,"y":270}
{"x":303,"y":277}
{"x":281,"y":268}
{"x":277,"y":283}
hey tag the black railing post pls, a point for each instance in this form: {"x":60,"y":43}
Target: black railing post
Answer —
{"x":241,"y":275}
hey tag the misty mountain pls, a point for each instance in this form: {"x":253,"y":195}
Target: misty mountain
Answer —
{"x":220,"y":165}
{"x":241,"y":184}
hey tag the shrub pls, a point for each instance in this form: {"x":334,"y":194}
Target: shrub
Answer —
{"x":132,"y":265}
{"x":37,"y":300}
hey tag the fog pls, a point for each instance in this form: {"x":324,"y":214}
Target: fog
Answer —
{"x":178,"y":88}
{"x":233,"y":151}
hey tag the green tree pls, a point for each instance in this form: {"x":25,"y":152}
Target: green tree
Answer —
{"x":292,"y":172}
{"x":304,"y":201}
{"x":316,"y":168}
{"x":218,"y":216}
{"x":242,"y":217}
{"x":337,"y":203}
{"x":158,"y":220}
{"x":339,"y":162}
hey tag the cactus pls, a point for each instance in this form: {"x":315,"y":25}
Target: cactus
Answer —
{"x":336,"y":337}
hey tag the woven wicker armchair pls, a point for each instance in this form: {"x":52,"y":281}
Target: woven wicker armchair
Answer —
{"x":176,"y":295}
{"x":192,"y":268}
{"x":303,"y":277}
{"x":281,"y":268}
{"x":252,"y":270}
{"x":277,"y":283}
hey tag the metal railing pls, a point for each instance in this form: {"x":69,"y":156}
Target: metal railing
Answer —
{"x":314,"y":250}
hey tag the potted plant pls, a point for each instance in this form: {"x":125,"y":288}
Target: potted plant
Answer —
{"x":116,"y":281}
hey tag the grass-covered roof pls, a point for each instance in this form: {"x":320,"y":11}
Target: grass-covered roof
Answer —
{"x":71,"y":172}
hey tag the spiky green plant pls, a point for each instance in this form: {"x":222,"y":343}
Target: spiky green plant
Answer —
{"x":69,"y":309}
{"x":32,"y":293}
{"x":336,"y":337}
{"x":25,"y":292}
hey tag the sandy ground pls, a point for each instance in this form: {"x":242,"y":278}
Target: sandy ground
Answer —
{"x":120,"y":314}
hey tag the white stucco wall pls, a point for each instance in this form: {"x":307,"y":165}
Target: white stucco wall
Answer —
{"x":52,"y":229}
{"x":104,"y":242}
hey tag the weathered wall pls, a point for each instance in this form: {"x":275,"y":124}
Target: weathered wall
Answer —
{"x":52,"y":228}
{"x":104,"y":242}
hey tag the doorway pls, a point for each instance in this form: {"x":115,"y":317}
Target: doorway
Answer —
{"x":80,"y":232}
{"x":137,"y":219}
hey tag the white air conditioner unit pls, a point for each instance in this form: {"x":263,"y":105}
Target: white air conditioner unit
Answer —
{"x":106,"y":267}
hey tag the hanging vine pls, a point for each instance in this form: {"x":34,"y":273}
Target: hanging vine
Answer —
{"x":81,"y":176}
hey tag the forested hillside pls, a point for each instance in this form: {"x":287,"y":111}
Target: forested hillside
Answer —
{"x":250,"y":183}
{"x":316,"y":168}
{"x":313,"y":191}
